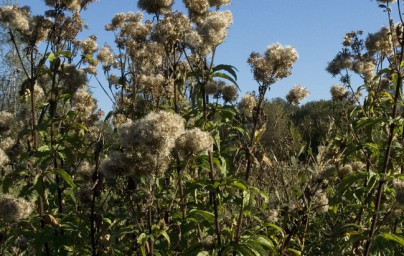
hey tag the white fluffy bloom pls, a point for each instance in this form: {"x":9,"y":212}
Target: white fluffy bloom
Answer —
{"x":399,"y":186}
{"x":15,"y":17}
{"x":297,"y":94}
{"x":321,"y":202}
{"x":219,"y":3}
{"x":105,"y":55}
{"x":6,"y":120}
{"x":89,"y":45}
{"x":276,"y":63}
{"x":14,"y":209}
{"x":338,"y":92}
{"x":193,"y":142}
{"x":247,"y":104}
{"x":213,"y":30}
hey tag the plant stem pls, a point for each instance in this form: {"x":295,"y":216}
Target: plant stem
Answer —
{"x":213,"y":196}
{"x":386,"y":163}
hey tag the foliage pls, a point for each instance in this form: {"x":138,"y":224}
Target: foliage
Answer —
{"x":178,"y":167}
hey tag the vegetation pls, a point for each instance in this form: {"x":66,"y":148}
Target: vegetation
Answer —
{"x":181,"y":165}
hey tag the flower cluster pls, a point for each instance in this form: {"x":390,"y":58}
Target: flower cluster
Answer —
{"x":219,"y":3}
{"x":72,"y":77}
{"x":14,"y":209}
{"x":247,"y":104}
{"x":196,"y":7}
{"x":147,"y":145}
{"x":6,"y":119}
{"x":276,"y":63}
{"x":297,"y":94}
{"x":89,"y":45}
{"x":72,"y":5}
{"x":399,"y":186}
{"x":171,"y":29}
{"x":338,"y":92}
{"x":193,"y":142}
{"x":321,"y":202}
{"x":155,"y":6}
{"x":340,"y":62}
{"x":382,"y":41}
{"x":229,"y":93}
{"x":84,"y":103}
{"x":15,"y":17}
{"x":214,"y":27}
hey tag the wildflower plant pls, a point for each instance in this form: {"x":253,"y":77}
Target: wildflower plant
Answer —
{"x":181,"y":165}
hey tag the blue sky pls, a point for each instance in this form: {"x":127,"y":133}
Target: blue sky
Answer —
{"x":314,"y":27}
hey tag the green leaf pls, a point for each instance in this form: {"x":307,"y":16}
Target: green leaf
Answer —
{"x":65,"y":176}
{"x":264,"y":241}
{"x":79,"y":126}
{"x":244,"y":250}
{"x":293,"y":252}
{"x":52,"y":56}
{"x":229,"y":68}
{"x":347,"y":183}
{"x":273,"y":227}
{"x":201,"y":216}
{"x":166,"y":236}
{"x":238,"y":184}
{"x":66,"y":54}
{"x":141,"y":240}
{"x":227,"y":77}
{"x":44,"y":148}
{"x":393,"y":238}
{"x":204,"y":253}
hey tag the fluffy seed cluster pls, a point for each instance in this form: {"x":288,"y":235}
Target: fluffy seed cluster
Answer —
{"x":117,"y":164}
{"x":84,"y":103}
{"x":38,"y":29}
{"x":147,"y":144}
{"x":171,"y":29}
{"x":152,"y":83}
{"x":321,"y":202}
{"x":297,"y":94}
{"x":219,"y":3}
{"x":399,"y":186}
{"x":382,"y":41}
{"x":3,"y":158}
{"x":89,"y":45}
{"x":345,"y":170}
{"x":7,"y":143}
{"x":15,"y":17}
{"x":196,"y":7}
{"x":328,"y":172}
{"x":214,"y":27}
{"x":338,"y":92}
{"x":105,"y":55}
{"x":358,"y":166}
{"x":365,"y":68}
{"x":146,"y":57}
{"x":247,"y":104}
{"x":158,"y":130}
{"x":155,"y":6}
{"x":193,"y":142}
{"x":73,"y":78}
{"x":72,"y":5}
{"x":85,"y":170}
{"x":14,"y":209}
{"x":6,"y":120}
{"x":276,"y":63}
{"x":229,"y":93}
{"x":341,"y":61}
{"x":193,"y":39}
{"x":386,"y":1}
{"x":273,"y":216}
